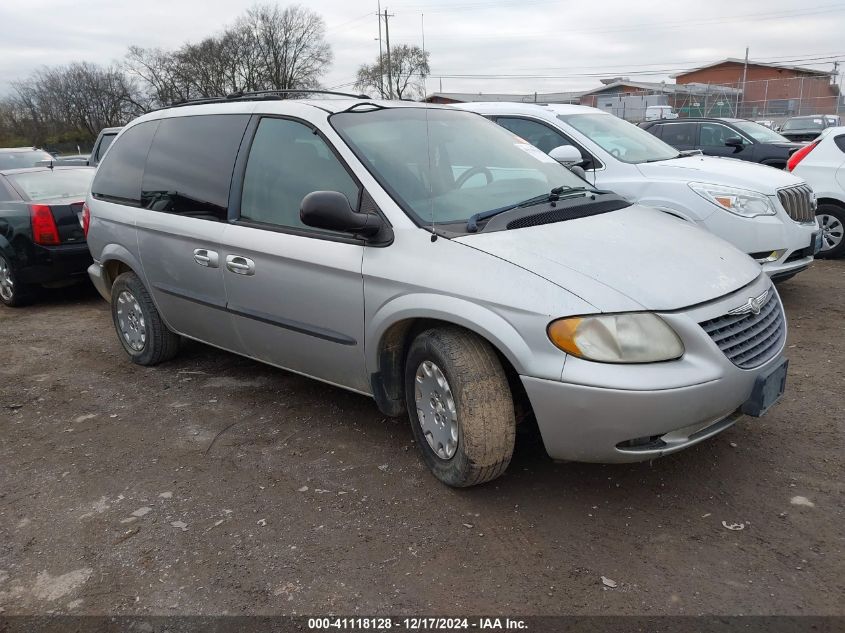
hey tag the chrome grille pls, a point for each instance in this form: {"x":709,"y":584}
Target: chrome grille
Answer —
{"x":749,"y":340}
{"x":799,"y":203}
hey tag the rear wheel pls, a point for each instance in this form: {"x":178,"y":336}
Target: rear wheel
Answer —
{"x":140,"y":328}
{"x":13,"y":293}
{"x":460,"y":406}
{"x":832,"y":222}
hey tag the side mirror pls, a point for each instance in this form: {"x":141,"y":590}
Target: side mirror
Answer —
{"x":567,"y":155}
{"x":331,"y":210}
{"x":733,"y":141}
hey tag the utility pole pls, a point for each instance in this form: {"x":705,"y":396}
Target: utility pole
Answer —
{"x":380,"y":54}
{"x":387,"y":37}
{"x":836,"y":78}
{"x":744,"y":76}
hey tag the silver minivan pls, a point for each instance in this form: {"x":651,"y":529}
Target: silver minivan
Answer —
{"x":434,"y":261}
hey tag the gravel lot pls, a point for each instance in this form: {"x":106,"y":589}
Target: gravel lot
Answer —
{"x":214,"y":484}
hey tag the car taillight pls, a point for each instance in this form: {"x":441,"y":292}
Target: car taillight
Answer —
{"x":800,"y":155}
{"x":86,"y":219}
{"x":44,"y":229}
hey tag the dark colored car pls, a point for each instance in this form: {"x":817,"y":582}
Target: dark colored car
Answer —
{"x":42,"y":242}
{"x":805,"y":128}
{"x":733,"y":138}
{"x":21,"y":157}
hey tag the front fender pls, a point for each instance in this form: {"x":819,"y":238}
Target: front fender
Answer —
{"x":533,"y":355}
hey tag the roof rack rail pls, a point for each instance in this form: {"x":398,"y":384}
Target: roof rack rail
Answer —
{"x":262,"y":95}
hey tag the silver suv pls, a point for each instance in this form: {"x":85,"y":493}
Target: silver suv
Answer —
{"x":434,"y":261}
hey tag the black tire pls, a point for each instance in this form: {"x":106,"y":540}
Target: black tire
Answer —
{"x":160,"y":343}
{"x":18,"y":294}
{"x":485,"y":411}
{"x":838,"y":213}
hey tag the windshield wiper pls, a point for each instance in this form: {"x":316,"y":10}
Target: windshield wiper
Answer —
{"x":552,"y":196}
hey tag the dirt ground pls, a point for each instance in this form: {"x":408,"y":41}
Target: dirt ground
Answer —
{"x":213,"y":484}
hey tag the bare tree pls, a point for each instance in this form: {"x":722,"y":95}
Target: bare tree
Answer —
{"x":291,"y":46}
{"x":408,"y":67}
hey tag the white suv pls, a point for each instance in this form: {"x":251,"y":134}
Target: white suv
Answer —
{"x":822,"y":164}
{"x":764,"y":212}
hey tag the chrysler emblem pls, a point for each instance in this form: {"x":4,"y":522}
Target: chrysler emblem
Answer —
{"x":752,"y":306}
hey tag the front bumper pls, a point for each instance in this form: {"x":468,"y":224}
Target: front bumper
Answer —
{"x":626,"y":413}
{"x":50,"y":264}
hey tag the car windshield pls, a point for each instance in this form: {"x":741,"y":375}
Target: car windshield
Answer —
{"x":625,"y":141}
{"x":445,"y":166}
{"x":760,"y":133}
{"x":804,"y":124}
{"x":53,"y":183}
{"x":24,"y":158}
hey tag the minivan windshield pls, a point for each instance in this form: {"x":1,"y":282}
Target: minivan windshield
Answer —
{"x":621,"y":139}
{"x":760,"y":133}
{"x":445,"y":166}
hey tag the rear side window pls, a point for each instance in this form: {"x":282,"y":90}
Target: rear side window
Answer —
{"x":119,"y":178}
{"x":840,"y":142}
{"x":287,"y":161}
{"x":104,"y":145}
{"x":189,"y":167}
{"x":679,"y":134}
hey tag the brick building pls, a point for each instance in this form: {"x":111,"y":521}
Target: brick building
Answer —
{"x":771,"y":89}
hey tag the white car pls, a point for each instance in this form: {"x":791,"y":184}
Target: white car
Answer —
{"x":766,"y":213}
{"x":822,"y":165}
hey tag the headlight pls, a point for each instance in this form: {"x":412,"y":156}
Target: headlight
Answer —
{"x":742,"y":202}
{"x":637,"y":337}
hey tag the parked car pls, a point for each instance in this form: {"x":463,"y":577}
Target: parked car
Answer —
{"x":766,"y":123}
{"x":731,"y":138}
{"x":822,"y":165}
{"x":654,"y":113}
{"x":425,"y":257}
{"x":41,"y":237}
{"x":104,"y":140}
{"x":805,"y":128}
{"x":766,"y":213}
{"x":21,"y":157}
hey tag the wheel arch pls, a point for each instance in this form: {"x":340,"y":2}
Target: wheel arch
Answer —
{"x":392,"y":335}
{"x":115,"y":260}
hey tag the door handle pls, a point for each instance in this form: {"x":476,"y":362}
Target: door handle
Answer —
{"x":240,"y":265}
{"x":205,"y":257}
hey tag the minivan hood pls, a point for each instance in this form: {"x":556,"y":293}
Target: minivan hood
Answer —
{"x":636,"y":258}
{"x":723,"y":171}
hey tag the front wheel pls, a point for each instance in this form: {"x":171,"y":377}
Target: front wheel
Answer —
{"x":140,"y":328}
{"x":832,"y":222}
{"x":460,"y":406}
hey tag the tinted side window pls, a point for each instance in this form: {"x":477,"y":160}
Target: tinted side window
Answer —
{"x":657,"y":130}
{"x":679,"y":134}
{"x":104,"y":145}
{"x":287,"y":161}
{"x":715,"y":134}
{"x":543,"y":137}
{"x":190,"y":165}
{"x":840,"y":142}
{"x":119,"y":178}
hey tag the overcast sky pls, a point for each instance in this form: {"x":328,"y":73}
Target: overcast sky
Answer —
{"x":570,"y":43}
